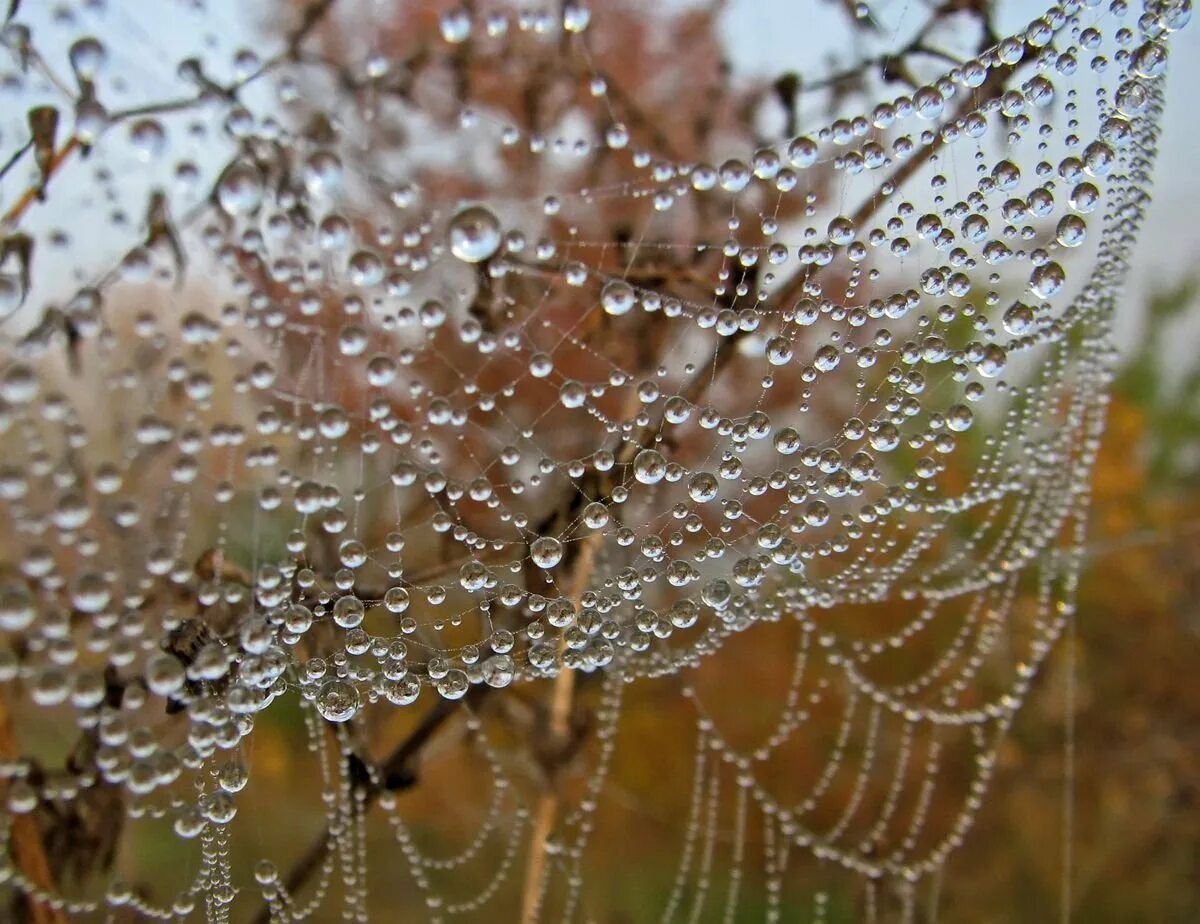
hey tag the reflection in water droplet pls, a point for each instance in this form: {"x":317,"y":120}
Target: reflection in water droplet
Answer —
{"x":474,"y":234}
{"x":546,"y":551}
{"x":338,"y":701}
{"x":617,"y":297}
{"x":240,"y":189}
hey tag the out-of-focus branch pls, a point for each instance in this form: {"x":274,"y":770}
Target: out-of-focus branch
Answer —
{"x":313,"y":14}
{"x":991,"y":88}
{"x":31,"y":195}
{"x":15,"y":158}
{"x":562,"y":703}
{"x":395,"y":774}
{"x":25,"y":838}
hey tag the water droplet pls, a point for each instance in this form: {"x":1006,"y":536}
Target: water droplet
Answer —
{"x":453,"y":685}
{"x":148,"y":138}
{"x":649,"y":466}
{"x":1019,"y":319}
{"x":396,"y":600}
{"x":596,"y":515}
{"x":802,"y":152}
{"x":1071,"y":231}
{"x":16,"y":608}
{"x":1047,"y":280}
{"x":474,"y":234}
{"x":576,"y":17}
{"x":1150,"y":60}
{"x":702,"y":487}
{"x":338,"y":701}
{"x":841,"y":230}
{"x":88,"y":58}
{"x":240,"y":189}
{"x":498,"y":671}
{"x":572,"y":394}
{"x":348,"y":612}
{"x":366,"y":269}
{"x":716,"y":593}
{"x":473,"y":576}
{"x":91,"y":118}
{"x":617,"y":297}
{"x":323,"y":173}
{"x":1084,"y":197}
{"x":734,"y":175}
{"x":546,"y":551}
{"x":456,"y":25}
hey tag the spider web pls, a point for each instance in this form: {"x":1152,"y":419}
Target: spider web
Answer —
{"x":375,"y":407}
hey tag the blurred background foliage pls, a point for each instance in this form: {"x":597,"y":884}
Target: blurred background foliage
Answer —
{"x":1137,"y":716}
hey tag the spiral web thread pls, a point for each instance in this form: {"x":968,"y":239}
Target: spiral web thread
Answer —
{"x":374,"y":414}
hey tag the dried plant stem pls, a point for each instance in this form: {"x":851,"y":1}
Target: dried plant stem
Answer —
{"x":25,"y":837}
{"x":562,"y":704}
{"x":13,"y":216}
{"x":312,"y":16}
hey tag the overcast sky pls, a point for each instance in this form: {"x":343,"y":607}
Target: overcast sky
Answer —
{"x":149,"y":37}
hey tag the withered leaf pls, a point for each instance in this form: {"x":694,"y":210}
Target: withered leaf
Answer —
{"x":43,"y":126}
{"x":19,"y":247}
{"x":160,"y":229}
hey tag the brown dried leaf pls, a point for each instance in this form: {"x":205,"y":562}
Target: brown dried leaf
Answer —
{"x":20,"y":247}
{"x":43,"y":126}
{"x":160,"y":229}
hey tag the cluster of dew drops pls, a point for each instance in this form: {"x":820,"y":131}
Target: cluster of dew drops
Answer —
{"x":87,"y":552}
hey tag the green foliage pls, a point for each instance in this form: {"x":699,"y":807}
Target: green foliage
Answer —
{"x":1169,"y":398}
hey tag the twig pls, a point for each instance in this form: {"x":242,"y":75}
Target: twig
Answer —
{"x":396,"y":775}
{"x":25,"y":837}
{"x":31,"y":195}
{"x":16,"y":156}
{"x":991,"y":88}
{"x":313,"y":14}
{"x":561,"y":706}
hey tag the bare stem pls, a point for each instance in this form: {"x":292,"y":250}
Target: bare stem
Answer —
{"x":313,"y":14}
{"x":562,"y":703}
{"x":25,"y":837}
{"x":396,"y":773}
{"x":13,"y":216}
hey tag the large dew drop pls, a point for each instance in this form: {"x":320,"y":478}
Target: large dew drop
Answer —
{"x":338,"y":701}
{"x":649,"y":466}
{"x":240,"y":189}
{"x":474,"y":234}
{"x":1047,"y":280}
{"x":617,"y":297}
{"x":546,"y":551}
